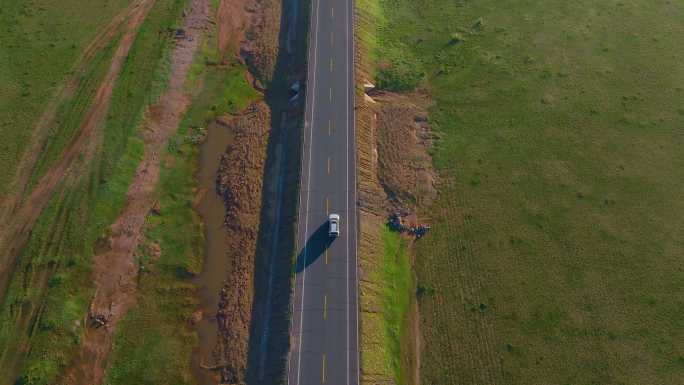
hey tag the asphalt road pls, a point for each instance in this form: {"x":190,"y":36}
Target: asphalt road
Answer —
{"x":324,"y":347}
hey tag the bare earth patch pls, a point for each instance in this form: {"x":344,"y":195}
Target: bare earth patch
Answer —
{"x":239,"y":182}
{"x":233,"y":20}
{"x":260,"y":46}
{"x":404,"y":136}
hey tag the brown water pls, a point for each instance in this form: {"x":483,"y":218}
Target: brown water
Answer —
{"x":216,"y":264}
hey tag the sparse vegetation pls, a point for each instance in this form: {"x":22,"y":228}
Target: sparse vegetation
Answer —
{"x":153,"y":342}
{"x":556,"y":242}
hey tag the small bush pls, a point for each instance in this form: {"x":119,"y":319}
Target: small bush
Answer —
{"x":401,"y":75}
{"x":456,"y":38}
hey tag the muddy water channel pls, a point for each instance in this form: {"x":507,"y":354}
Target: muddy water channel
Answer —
{"x":216,"y":264}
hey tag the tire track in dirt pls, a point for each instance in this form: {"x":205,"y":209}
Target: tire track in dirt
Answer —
{"x":70,"y":175}
{"x":115,"y":269}
{"x":19,"y":184}
{"x":20,"y":218}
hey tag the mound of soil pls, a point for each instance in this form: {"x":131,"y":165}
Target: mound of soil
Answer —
{"x":403,"y":139}
{"x":260,"y":47}
{"x":239,"y":181}
{"x":232,"y":20}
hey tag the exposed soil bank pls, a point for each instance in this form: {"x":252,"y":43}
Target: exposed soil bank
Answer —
{"x":239,"y":182}
{"x":403,"y":138}
{"x":395,"y":173}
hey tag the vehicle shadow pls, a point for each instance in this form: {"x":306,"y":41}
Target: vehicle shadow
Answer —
{"x":315,"y":246}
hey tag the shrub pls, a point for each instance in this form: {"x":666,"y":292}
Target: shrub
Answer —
{"x":401,"y":75}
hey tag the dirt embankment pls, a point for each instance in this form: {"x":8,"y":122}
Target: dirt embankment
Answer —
{"x":239,"y":182}
{"x":394,"y":166}
{"x":249,"y":172}
{"x":115,"y":269}
{"x":403,"y":138}
{"x":19,"y":214}
{"x":394,"y":174}
{"x":260,"y":48}
{"x":233,"y":20}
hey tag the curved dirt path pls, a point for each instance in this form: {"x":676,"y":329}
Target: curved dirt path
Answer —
{"x":20,"y":216}
{"x":115,"y":270}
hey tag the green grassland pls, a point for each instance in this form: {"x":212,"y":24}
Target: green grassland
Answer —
{"x":395,"y":281}
{"x":555,"y":254}
{"x":385,"y":300}
{"x":41,"y":318}
{"x":71,"y":112}
{"x":154,"y":343}
{"x":39,"y":44}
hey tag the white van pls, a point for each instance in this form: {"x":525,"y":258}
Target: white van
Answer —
{"x":334,"y":225}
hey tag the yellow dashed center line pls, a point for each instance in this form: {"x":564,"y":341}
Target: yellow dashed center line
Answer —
{"x":323,"y":374}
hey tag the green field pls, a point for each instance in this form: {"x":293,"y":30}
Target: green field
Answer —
{"x":395,"y":281}
{"x":41,"y":317}
{"x":385,"y":301}
{"x":39,"y":44}
{"x":556,"y":250}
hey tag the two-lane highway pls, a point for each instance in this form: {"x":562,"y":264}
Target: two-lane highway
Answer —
{"x":324,"y":330}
